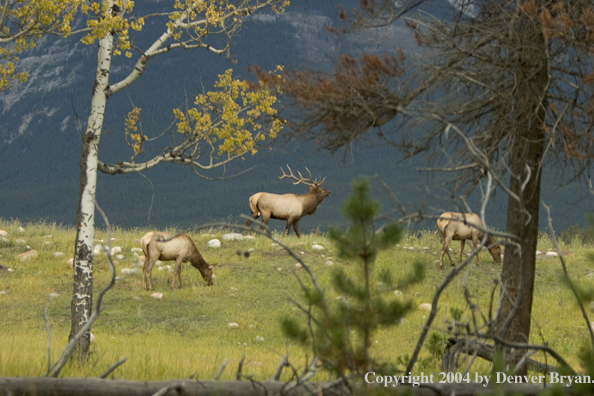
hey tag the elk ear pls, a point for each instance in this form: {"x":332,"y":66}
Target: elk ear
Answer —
{"x":210,"y":266}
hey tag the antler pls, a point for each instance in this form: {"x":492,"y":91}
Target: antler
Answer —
{"x":309,"y":182}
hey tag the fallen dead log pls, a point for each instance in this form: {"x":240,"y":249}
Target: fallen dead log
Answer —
{"x":457,"y":346}
{"x":45,"y":386}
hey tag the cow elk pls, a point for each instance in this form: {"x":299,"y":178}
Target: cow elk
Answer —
{"x":289,"y":207}
{"x":166,"y":246}
{"x":462,"y":227}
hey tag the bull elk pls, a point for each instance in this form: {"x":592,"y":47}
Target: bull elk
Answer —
{"x":166,"y":246}
{"x":462,"y":227}
{"x":289,"y":207}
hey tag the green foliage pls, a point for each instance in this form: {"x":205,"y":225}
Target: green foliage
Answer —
{"x":456,"y":313}
{"x":436,"y":346}
{"x":576,"y":233}
{"x":341,"y":332}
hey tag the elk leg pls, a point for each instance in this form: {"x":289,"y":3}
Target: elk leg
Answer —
{"x":177,"y":272}
{"x":147,"y":270}
{"x":462,"y":245}
{"x":265,"y":219}
{"x":444,"y":250}
{"x":475,"y":244}
{"x":290,"y":222}
{"x":296,"y":228}
{"x":253,"y":216}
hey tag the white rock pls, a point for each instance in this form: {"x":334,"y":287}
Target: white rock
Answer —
{"x":116,"y":250}
{"x":279,"y":269}
{"x":398,"y":293}
{"x":20,"y":241}
{"x":233,"y":324}
{"x":9,"y":270}
{"x":538,"y":252}
{"x":411,"y":248}
{"x":91,"y":338}
{"x":125,"y":271}
{"x":98,"y":249}
{"x":298,"y":265}
{"x":233,"y":237}
{"x":4,"y":239}
{"x":159,"y":268}
{"x":31,"y":254}
{"x":21,"y":230}
{"x":259,"y":339}
{"x":158,"y":263}
{"x":52,"y":295}
{"x":70,"y":262}
{"x":120,"y":257}
{"x":425,"y":307}
{"x":158,"y":296}
{"x":167,"y":267}
{"x":46,"y":236}
{"x":233,"y":288}
{"x":58,"y":254}
{"x":552,"y":254}
{"x":214,"y":243}
{"x":136,"y":250}
{"x":329,"y":263}
{"x":317,"y":247}
{"x":47,"y":243}
{"x":249,"y":237}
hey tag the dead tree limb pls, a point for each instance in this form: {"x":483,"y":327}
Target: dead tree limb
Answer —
{"x":456,"y":346}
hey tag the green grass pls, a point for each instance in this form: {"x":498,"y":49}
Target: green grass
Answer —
{"x":187,"y":332}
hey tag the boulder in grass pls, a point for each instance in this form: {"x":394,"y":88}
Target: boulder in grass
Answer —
{"x":158,"y":296}
{"x":214,"y":243}
{"x":58,"y":254}
{"x":233,"y":237}
{"x":425,"y":307}
{"x":3,"y":233}
{"x":27,"y":256}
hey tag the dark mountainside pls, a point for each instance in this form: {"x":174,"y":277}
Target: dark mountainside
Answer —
{"x":40,"y":143}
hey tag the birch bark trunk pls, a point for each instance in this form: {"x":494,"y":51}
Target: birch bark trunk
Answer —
{"x":82,"y":295}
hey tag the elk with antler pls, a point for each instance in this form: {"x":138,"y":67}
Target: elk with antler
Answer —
{"x":289,"y":207}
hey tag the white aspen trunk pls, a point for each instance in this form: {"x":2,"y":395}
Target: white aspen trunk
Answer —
{"x":82,"y":295}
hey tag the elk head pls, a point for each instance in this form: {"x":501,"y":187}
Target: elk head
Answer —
{"x":313,"y":184}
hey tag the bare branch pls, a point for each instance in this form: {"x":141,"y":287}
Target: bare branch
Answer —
{"x":220,"y":372}
{"x":239,"y":367}
{"x":113,"y":367}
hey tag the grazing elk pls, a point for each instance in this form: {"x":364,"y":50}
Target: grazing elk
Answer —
{"x":166,"y":246}
{"x":462,"y":227}
{"x":289,"y":207}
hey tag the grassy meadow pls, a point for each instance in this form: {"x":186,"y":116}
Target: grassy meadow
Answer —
{"x":187,"y":333}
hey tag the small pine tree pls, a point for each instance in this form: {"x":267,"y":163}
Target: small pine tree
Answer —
{"x":340,"y":333}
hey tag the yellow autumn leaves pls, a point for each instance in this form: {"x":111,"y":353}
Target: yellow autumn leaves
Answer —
{"x":231,"y":120}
